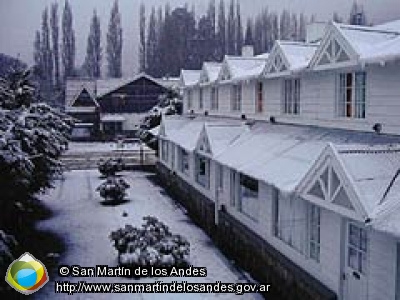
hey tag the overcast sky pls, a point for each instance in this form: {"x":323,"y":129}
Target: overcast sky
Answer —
{"x":19,"y":19}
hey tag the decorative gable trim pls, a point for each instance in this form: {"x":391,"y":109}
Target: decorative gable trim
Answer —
{"x":334,"y":51}
{"x":277,"y":62}
{"x":327,"y":185}
{"x":203,"y":144}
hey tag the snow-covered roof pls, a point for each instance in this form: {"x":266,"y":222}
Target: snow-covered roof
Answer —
{"x":221,"y":135}
{"x":391,"y":26}
{"x":186,"y":135}
{"x":298,"y":54}
{"x":106,"y":86}
{"x":289,"y":56}
{"x":74,"y":88}
{"x":112,"y":118}
{"x":210,"y":72}
{"x":190,"y":77}
{"x":236,"y":68}
{"x":363,"y":39}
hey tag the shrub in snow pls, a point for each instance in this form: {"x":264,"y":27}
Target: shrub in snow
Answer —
{"x":113,"y":189}
{"x":111,"y":166}
{"x":151,"y":245}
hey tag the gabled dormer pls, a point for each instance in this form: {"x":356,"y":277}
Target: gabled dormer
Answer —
{"x":327,"y":185}
{"x":334,"y":51}
{"x":203,"y":145}
{"x":277,"y":62}
{"x":84,"y":99}
{"x":224,"y":74}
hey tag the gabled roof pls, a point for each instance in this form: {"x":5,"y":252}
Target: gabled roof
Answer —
{"x":106,"y":86}
{"x":289,"y":56}
{"x":83,"y":90}
{"x":210,"y":72}
{"x":235,"y":68}
{"x":190,"y":77}
{"x":219,"y":136}
{"x":75,"y":86}
{"x":344,"y":45}
{"x":369,"y":176}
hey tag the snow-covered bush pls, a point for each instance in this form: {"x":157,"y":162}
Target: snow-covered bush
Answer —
{"x":169,"y":104}
{"x":113,"y":189}
{"x":7,"y":245}
{"x":151,"y":245}
{"x":32,"y":137}
{"x":111,"y":166}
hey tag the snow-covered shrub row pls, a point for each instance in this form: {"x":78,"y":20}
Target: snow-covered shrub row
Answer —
{"x":151,"y":245}
{"x":111,"y":166}
{"x":113,"y":189}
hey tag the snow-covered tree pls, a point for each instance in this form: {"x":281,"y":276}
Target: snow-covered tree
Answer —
{"x":238,"y":30}
{"x":231,"y":30}
{"x":68,"y":42}
{"x":142,"y":45}
{"x":54,"y":25}
{"x":221,"y":32}
{"x":92,"y":64}
{"x":114,"y":43}
{"x":248,"y":39}
{"x":357,"y":15}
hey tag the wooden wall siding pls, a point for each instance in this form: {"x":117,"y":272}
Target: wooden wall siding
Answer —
{"x":136,"y":97}
{"x":239,"y":242}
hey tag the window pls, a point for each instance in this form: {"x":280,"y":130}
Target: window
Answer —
{"x":357,"y":249}
{"x":214,"y":98}
{"x":352,"y":95}
{"x":202,"y":171}
{"x":183,"y":161}
{"x":236,"y":97}
{"x":248,"y":197}
{"x":233,"y":187}
{"x":220,"y":177}
{"x":201,"y":103}
{"x":164,"y":150}
{"x":290,"y":217}
{"x":314,"y":231}
{"x":259,"y":97}
{"x":189,"y":100}
{"x":291,"y":94}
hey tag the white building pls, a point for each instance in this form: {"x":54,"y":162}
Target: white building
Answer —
{"x":299,"y":161}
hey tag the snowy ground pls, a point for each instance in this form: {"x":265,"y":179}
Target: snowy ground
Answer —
{"x":85,"y":225}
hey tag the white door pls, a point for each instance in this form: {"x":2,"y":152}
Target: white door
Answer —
{"x":355,"y":266}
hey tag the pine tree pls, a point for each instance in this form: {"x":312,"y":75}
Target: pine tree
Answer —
{"x":37,"y":52}
{"x":47,"y":58}
{"x":238,"y":30}
{"x":93,"y":58}
{"x":142,"y":46}
{"x":231,"y":30}
{"x":55,"y":30}
{"x":336,"y":18}
{"x":151,"y":44}
{"x":68,"y":42}
{"x":114,"y":43}
{"x":302,"y":28}
{"x":248,"y":40}
{"x":211,"y":16}
{"x":357,"y":15}
{"x":221,"y":34}
{"x":294,"y":28}
{"x":284,"y":27}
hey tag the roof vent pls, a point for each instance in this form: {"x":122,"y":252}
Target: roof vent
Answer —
{"x":377,"y":127}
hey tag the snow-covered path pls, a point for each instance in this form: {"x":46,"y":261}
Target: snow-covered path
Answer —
{"x":85,"y":225}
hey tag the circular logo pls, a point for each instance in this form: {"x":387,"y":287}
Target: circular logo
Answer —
{"x":27,"y":274}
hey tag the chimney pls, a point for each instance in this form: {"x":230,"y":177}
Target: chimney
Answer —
{"x":315,"y":31}
{"x":248,"y":51}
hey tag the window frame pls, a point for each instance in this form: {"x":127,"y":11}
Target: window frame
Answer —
{"x":291,"y":96}
{"x":236,"y":97}
{"x":314,"y":227}
{"x":259,"y":97}
{"x":251,"y":186}
{"x":214,"y":98}
{"x":200,"y":159}
{"x":201,"y":98}
{"x":352,"y":95}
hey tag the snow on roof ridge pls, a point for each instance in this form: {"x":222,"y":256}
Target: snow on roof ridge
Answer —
{"x":370,"y":149}
{"x":365,"y":28}
{"x":297,"y":43}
